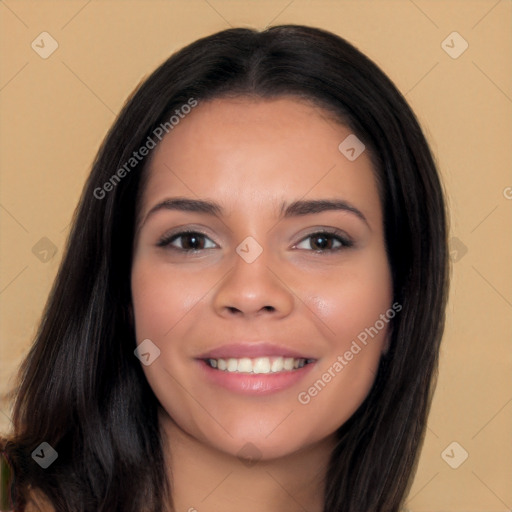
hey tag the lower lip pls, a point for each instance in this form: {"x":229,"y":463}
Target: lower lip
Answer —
{"x":254,"y":384}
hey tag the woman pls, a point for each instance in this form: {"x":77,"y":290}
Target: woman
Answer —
{"x":249,"y":310}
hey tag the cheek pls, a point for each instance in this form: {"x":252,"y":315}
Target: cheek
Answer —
{"x":161,"y":298}
{"x":351,"y":299}
{"x":354,"y":307}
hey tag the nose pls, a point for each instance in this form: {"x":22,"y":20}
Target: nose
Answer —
{"x":253,"y":289}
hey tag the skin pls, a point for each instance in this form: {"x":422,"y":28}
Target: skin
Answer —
{"x":249,"y":155}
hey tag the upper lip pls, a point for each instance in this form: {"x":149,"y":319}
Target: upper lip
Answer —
{"x":251,"y":350}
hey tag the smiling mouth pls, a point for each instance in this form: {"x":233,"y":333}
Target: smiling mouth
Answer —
{"x":258,"y":365}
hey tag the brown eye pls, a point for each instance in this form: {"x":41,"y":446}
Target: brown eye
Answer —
{"x":326,"y":242}
{"x":191,"y":241}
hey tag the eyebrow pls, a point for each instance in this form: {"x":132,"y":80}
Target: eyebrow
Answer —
{"x":294,"y":209}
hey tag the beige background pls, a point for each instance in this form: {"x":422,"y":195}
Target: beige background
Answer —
{"x":55,"y":112}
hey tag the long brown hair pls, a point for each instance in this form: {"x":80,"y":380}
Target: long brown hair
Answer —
{"x":82,"y":390}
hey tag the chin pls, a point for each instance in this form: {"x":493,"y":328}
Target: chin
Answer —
{"x":250,"y":443}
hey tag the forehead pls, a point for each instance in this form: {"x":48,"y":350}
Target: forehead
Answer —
{"x":250,"y":153}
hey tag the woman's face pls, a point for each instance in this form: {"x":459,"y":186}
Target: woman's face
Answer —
{"x":271,"y":316}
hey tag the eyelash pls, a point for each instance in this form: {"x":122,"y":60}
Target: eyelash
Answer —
{"x":345,"y":242}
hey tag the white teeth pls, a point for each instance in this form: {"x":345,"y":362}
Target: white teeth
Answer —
{"x":288,"y":363}
{"x":244,"y":365}
{"x":277,"y":364}
{"x":261,"y":365}
{"x":258,"y":364}
{"x":232,"y":365}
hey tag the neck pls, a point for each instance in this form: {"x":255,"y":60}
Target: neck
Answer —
{"x":204,"y":479}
